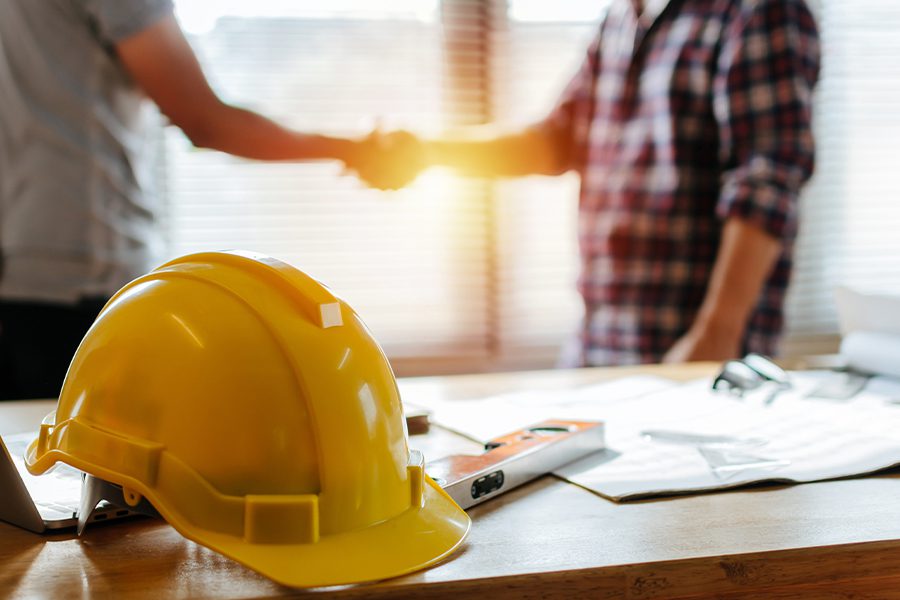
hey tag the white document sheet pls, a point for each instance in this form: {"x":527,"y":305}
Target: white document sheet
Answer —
{"x":655,"y":433}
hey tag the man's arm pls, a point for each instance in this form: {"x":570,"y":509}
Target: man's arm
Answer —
{"x":763,"y":103}
{"x":162,"y":62}
{"x":745,"y":259}
{"x":483,"y":153}
{"x":551,"y":147}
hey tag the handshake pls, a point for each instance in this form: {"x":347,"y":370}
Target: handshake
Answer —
{"x":388,"y":161}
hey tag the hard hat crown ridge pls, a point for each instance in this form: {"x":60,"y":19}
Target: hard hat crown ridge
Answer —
{"x":258,"y":415}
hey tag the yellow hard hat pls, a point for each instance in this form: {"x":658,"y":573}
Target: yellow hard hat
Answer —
{"x":257,"y":414}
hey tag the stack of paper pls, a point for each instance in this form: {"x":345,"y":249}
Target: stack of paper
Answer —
{"x":870,"y":324}
{"x":666,"y":438}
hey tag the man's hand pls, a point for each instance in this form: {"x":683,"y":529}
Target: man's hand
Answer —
{"x":706,"y":342}
{"x":388,"y":161}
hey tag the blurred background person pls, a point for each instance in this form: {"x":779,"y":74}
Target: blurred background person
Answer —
{"x":77,"y":208}
{"x":689,"y":123}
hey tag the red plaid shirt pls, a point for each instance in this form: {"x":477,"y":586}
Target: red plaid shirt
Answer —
{"x":695,"y":112}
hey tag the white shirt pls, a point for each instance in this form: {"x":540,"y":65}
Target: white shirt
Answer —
{"x":77,"y":210}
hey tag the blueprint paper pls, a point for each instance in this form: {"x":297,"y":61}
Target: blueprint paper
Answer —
{"x":795,"y":438}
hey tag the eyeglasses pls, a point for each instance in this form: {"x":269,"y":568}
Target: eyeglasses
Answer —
{"x":750,"y":373}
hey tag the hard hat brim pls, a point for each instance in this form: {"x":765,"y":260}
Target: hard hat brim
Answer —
{"x":418,"y":538}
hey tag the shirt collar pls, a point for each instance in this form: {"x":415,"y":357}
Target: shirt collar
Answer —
{"x":651,"y":10}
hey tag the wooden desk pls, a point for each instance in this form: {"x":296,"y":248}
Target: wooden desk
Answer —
{"x":548,"y":539}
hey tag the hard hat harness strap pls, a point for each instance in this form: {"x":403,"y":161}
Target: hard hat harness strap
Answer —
{"x":136,"y":465}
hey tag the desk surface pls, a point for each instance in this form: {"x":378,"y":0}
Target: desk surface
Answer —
{"x":837,"y":539}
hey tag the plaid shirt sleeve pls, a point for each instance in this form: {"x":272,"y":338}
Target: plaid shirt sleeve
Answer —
{"x":762,"y":94}
{"x":568,"y":123}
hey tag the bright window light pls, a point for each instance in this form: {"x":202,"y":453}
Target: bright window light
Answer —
{"x":200,"y":16}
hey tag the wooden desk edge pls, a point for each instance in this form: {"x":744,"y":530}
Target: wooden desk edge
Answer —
{"x":779,"y":574}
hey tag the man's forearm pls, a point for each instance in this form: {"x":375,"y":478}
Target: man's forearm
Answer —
{"x":482,"y":153}
{"x":250,"y":135}
{"x":161,"y":61}
{"x":746,"y":257}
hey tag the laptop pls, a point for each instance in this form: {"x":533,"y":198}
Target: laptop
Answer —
{"x":46,"y":503}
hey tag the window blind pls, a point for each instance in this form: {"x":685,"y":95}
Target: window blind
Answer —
{"x":410,"y":262}
{"x":850,"y":211}
{"x":538,"y":51}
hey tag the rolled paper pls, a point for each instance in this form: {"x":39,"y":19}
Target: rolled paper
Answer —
{"x":872,"y":352}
